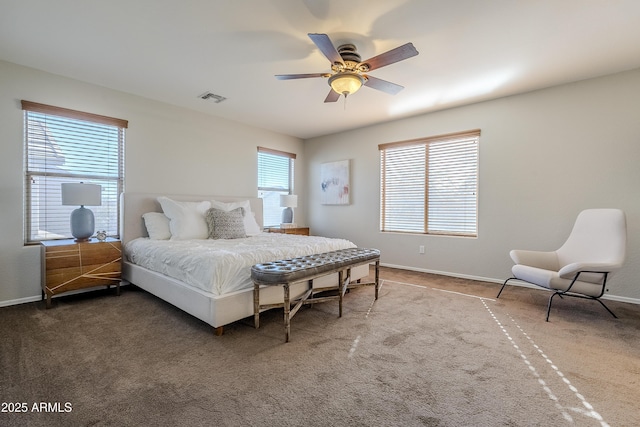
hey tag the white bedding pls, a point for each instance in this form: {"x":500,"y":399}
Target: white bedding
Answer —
{"x":222,"y":266}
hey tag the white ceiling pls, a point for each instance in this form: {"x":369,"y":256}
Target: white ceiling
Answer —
{"x":175,"y":50}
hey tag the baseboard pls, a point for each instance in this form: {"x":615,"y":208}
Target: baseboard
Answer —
{"x":39,"y":297}
{"x":20,"y":301}
{"x":621,"y":299}
{"x":499,"y":281}
{"x":446,"y":273}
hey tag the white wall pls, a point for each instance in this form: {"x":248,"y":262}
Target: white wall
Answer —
{"x":168,"y":149}
{"x":544,"y":156}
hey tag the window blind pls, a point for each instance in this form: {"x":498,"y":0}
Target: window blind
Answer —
{"x":275,"y":177}
{"x":430,"y":185}
{"x":68,"y":146}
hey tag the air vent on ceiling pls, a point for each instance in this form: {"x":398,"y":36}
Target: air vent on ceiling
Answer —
{"x":213,"y":97}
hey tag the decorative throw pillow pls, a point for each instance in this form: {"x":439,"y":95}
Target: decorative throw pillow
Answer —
{"x":157,"y":226}
{"x":225,"y":224}
{"x":186,"y":218}
{"x":251,"y":227}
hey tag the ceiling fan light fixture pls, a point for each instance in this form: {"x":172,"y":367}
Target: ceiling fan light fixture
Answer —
{"x":348,"y":72}
{"x":346,"y":83}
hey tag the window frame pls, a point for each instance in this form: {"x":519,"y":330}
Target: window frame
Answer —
{"x":438,"y":143}
{"x":290,"y":179}
{"x":60,"y":115}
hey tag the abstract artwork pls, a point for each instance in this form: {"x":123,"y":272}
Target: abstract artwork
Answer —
{"x":334,"y":181}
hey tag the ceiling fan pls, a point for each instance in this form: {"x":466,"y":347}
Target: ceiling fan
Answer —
{"x":348,"y":70}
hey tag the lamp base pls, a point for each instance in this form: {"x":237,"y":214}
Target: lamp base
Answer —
{"x":82,"y":224}
{"x":287,"y":215}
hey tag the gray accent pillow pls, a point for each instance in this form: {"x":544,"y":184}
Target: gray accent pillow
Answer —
{"x":225,"y":224}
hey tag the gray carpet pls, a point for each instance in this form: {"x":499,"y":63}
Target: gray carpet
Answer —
{"x":431,"y":351}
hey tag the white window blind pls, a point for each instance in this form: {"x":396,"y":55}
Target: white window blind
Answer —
{"x":430,"y":185}
{"x":63,"y":146}
{"x":275,"y":177}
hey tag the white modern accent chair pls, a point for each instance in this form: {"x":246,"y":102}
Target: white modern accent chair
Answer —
{"x":580,"y":268}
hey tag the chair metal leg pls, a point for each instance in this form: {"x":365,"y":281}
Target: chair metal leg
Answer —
{"x":549,"y":304}
{"x":560,"y":294}
{"x":567,"y":292}
{"x":606,"y":308}
{"x":503,"y":285}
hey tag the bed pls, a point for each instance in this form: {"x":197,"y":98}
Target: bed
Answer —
{"x":223,"y":301}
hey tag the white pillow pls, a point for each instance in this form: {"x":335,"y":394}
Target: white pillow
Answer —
{"x":157,"y":225}
{"x":186,"y":218}
{"x":251,"y":227}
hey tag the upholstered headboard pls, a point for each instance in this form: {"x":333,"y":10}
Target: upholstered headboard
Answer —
{"x":134,"y":205}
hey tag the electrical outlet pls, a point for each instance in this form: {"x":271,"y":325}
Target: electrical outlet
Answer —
{"x":421,"y":249}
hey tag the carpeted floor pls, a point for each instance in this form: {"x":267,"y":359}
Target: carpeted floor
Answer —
{"x":432,"y":351}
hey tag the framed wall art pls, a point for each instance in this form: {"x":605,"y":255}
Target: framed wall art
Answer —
{"x":334,"y":181}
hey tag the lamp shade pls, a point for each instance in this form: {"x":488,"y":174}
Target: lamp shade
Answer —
{"x":288,"y":201}
{"x":80,"y":194}
{"x":346,"y":83}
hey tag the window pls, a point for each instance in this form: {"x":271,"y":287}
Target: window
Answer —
{"x":67,"y":146}
{"x":430,"y":185}
{"x":275,"y":177}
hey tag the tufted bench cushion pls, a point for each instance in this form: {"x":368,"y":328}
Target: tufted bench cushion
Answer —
{"x":309,"y":266}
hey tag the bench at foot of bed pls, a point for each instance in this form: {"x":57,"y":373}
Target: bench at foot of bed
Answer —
{"x":306,"y":268}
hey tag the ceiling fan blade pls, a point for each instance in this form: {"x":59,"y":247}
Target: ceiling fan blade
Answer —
{"x":332,"y":97}
{"x":300,"y":76}
{"x":326,"y":47}
{"x":383,"y":85}
{"x":394,"y":55}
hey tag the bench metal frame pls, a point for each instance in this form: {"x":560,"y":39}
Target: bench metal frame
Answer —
{"x":286,"y":278}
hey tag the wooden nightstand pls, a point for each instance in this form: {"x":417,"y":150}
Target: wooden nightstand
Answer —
{"x":303,"y":231}
{"x":68,"y":265}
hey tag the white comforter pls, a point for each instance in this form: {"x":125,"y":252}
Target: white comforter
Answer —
{"x":222,"y":266}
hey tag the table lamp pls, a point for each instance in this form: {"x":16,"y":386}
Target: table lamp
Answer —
{"x":288,"y":202}
{"x":82,"y":219}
